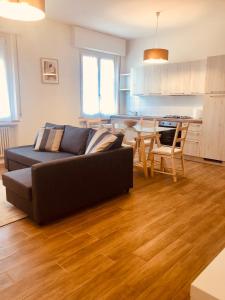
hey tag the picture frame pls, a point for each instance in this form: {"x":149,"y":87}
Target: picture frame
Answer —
{"x":49,"y":70}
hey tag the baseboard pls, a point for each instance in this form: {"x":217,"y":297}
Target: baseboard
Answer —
{"x":203,"y":161}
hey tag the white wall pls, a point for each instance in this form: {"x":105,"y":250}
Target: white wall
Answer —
{"x":58,"y":103}
{"x":90,"y":39}
{"x":197,"y":41}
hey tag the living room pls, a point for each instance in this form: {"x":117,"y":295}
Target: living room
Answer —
{"x":112,"y":149}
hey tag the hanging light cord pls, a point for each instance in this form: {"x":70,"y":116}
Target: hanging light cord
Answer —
{"x":157,"y":27}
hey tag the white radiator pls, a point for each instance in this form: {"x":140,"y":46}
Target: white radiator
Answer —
{"x":7,"y":138}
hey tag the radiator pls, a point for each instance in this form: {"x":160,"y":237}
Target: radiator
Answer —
{"x":6,"y":138}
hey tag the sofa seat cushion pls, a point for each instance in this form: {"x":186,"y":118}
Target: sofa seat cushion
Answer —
{"x":74,"y":140}
{"x":28,"y":157}
{"x":19,"y":182}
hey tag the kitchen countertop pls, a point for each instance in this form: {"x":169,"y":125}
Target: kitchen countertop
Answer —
{"x":158,"y":118}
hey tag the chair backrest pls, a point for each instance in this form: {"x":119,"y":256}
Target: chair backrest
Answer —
{"x":149,"y":123}
{"x":130,"y":134}
{"x":110,"y":127}
{"x":93,"y":123}
{"x":180,"y":136}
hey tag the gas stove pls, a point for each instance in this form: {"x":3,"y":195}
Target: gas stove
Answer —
{"x":177,"y":117}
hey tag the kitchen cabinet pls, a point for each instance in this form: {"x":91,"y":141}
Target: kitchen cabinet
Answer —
{"x":197,"y":77}
{"x":213,"y":141}
{"x":215,"y":76}
{"x":192,"y":145}
{"x":192,"y":148}
{"x":176,"y":79}
{"x":137,"y":81}
{"x":187,"y":78}
{"x":152,"y":79}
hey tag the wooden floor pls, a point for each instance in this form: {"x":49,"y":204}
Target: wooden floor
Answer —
{"x":149,"y":244}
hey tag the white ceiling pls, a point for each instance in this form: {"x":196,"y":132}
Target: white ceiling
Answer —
{"x":134,"y":18}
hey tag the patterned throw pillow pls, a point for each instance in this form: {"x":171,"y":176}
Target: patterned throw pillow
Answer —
{"x":48,"y":139}
{"x":101,"y":140}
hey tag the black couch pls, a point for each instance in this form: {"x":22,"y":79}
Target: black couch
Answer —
{"x":49,"y":185}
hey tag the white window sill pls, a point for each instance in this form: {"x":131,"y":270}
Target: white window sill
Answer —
{"x":8,"y":123}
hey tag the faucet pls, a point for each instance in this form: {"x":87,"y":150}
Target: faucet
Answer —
{"x":135,"y":113}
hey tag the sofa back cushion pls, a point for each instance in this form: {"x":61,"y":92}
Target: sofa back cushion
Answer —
{"x":101,"y":141}
{"x":74,"y":140}
{"x":56,"y":126}
{"x":115,"y":145}
{"x":49,"y":125}
{"x":48,"y":139}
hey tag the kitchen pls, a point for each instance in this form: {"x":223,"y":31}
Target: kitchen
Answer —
{"x":193,"y":89}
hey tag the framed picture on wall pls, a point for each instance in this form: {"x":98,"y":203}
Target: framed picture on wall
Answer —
{"x":49,"y":70}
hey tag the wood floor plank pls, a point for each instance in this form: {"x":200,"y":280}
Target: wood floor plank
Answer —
{"x":28,"y":287}
{"x":5,"y":281}
{"x":148,"y":244}
{"x":74,"y":280}
{"x":102,"y":283}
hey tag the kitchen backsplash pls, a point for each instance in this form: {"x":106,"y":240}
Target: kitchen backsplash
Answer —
{"x":164,"y":105}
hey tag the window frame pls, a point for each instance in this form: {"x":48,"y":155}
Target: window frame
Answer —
{"x":12,"y":70}
{"x":100,"y":55}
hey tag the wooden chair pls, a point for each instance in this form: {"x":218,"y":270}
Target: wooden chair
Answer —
{"x":142,"y":145}
{"x":92,"y":122}
{"x":170,"y":152}
{"x":149,"y":123}
{"x":146,"y":144}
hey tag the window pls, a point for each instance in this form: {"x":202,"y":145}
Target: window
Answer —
{"x":8,"y":86}
{"x":99,"y":83}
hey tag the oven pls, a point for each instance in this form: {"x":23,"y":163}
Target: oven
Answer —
{"x":168,"y":136}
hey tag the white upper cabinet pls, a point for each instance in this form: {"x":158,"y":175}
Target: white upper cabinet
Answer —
{"x":198,"y":77}
{"x":152,"y":79}
{"x":186,"y":78}
{"x":176,"y":79}
{"x":215,"y":78}
{"x":137,"y":81}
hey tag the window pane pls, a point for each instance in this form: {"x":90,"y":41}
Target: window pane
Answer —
{"x":90,"y":85}
{"x":4,"y":93}
{"x":107,"y":86}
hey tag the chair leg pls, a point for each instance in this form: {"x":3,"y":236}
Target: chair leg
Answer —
{"x":165,"y":165}
{"x":182,"y":164}
{"x":134,"y":151}
{"x":174,"y":170}
{"x":143,"y":159}
{"x":139,"y":151}
{"x":152,"y":159}
{"x":161,"y":164}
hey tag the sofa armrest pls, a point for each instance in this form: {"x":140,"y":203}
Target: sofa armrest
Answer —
{"x":63,"y":186}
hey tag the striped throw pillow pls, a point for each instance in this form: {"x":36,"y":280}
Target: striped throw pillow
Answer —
{"x":101,"y":140}
{"x":48,"y":139}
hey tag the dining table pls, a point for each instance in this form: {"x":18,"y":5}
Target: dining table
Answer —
{"x":142,"y":139}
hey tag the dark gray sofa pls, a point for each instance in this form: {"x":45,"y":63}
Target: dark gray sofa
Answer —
{"x":50,"y":185}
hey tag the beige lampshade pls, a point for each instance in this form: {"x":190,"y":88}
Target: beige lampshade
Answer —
{"x":156,"y":55}
{"x":22,"y":10}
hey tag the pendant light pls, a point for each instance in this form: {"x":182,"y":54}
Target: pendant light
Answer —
{"x":156,"y":55}
{"x":22,"y":10}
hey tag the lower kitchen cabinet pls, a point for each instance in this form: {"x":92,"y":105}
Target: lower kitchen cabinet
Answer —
{"x":192,"y":148}
{"x":192,"y":145}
